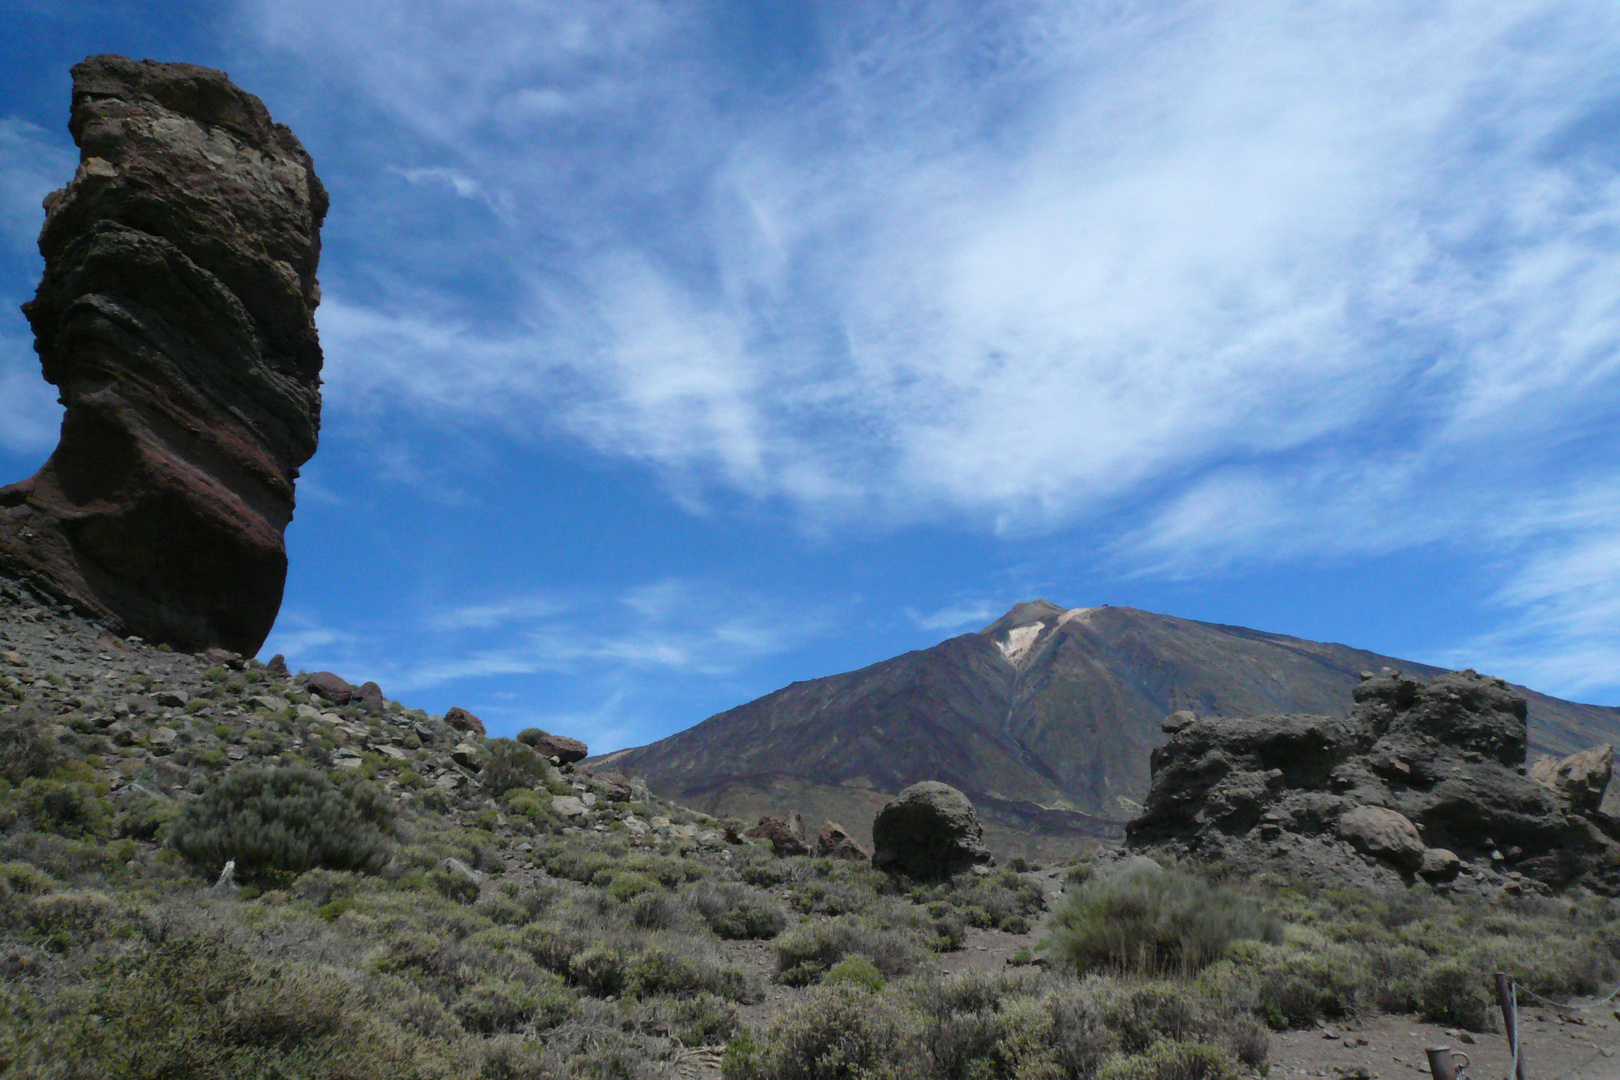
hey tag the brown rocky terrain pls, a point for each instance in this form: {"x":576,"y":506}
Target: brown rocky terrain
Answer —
{"x":1045,"y":719}
{"x":176,"y":316}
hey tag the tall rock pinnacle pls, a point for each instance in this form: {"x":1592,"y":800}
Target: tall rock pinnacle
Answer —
{"x":176,"y":316}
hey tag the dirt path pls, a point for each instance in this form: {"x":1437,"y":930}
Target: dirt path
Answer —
{"x":1392,"y":1048}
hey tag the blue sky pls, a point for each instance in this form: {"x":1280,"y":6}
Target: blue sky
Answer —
{"x":676,"y":352}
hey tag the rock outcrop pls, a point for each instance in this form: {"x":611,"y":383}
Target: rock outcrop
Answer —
{"x":785,"y":833}
{"x":176,"y":316}
{"x":929,"y":830}
{"x":1419,"y":778}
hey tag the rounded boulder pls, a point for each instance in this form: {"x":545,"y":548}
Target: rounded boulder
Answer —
{"x":929,"y":830}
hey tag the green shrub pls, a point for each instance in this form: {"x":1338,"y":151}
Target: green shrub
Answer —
{"x":857,"y":970}
{"x":626,"y":885}
{"x":70,"y":808}
{"x":1171,"y":1060}
{"x":495,"y":1004}
{"x":199,"y":1009}
{"x":1453,"y":994}
{"x":510,"y":765}
{"x":147,"y":819}
{"x":838,"y":1033}
{"x":26,"y":747}
{"x":1154,"y":922}
{"x":803,"y":953}
{"x":529,"y":736}
{"x":736,"y":911}
{"x":278,"y":823}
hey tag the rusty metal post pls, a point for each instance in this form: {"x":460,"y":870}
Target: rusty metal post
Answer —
{"x":1443,"y":1063}
{"x":1510,"y":1020}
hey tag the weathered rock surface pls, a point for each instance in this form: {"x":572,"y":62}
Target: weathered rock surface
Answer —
{"x":462,"y":720}
{"x":330,"y":687}
{"x":929,"y":830}
{"x":785,"y":833}
{"x":176,"y":316}
{"x":565,"y":750}
{"x":835,"y":842}
{"x":1581,"y":778}
{"x":1418,"y":778}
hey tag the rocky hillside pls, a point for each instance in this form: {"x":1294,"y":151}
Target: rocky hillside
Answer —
{"x":1045,"y":718}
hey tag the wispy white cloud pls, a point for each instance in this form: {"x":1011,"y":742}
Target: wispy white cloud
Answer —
{"x":1216,"y":232}
{"x":33,"y":162}
{"x":1232,"y":282}
{"x":964,"y":615}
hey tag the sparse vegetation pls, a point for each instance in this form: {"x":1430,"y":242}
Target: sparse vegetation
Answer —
{"x":401,"y":916}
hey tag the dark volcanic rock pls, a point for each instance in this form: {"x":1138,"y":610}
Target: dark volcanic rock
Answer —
{"x":1418,"y":778}
{"x":834,"y":842}
{"x":786,"y":834}
{"x":561,"y":747}
{"x":330,"y":687}
{"x":462,"y":720}
{"x":176,"y":316}
{"x":370,"y":698}
{"x":930,"y":830}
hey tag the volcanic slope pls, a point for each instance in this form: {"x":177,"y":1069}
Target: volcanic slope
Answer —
{"x":1045,"y":718}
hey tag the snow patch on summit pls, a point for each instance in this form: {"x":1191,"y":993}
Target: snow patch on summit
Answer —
{"x":1019,"y":640}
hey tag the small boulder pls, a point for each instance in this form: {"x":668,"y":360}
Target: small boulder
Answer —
{"x":1383,"y":834}
{"x":1440,"y":864}
{"x":567,"y":806}
{"x":278,"y":666}
{"x":565,"y":750}
{"x":465,"y":755}
{"x":329,"y":687}
{"x":1179,"y":720}
{"x":929,"y":830}
{"x":224,"y":658}
{"x":786,"y":834}
{"x":462,"y":720}
{"x":834,"y":842}
{"x":370,"y":698}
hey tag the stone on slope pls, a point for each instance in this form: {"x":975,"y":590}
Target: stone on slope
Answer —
{"x":370,"y":698}
{"x":834,"y":842}
{"x":331,"y":687}
{"x":462,"y":720}
{"x":176,"y":317}
{"x":565,"y":750}
{"x":786,"y":834}
{"x":929,"y":830}
{"x":1383,"y":834}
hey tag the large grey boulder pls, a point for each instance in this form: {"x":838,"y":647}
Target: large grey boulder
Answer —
{"x":929,"y":830}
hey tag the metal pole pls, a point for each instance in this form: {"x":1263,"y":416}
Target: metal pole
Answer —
{"x":1443,"y":1062}
{"x":1510,"y":1021}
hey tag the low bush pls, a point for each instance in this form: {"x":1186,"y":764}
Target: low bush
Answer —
{"x":510,"y":766}
{"x":278,"y":823}
{"x":1170,"y":1060}
{"x":736,"y":911}
{"x":808,"y":950}
{"x":1155,"y":922}
{"x":840,"y":1032}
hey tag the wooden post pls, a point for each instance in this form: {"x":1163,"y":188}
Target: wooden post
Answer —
{"x":1510,"y":1020}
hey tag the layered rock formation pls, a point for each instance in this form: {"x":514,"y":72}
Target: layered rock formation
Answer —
{"x":1420,"y":779}
{"x":176,"y":316}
